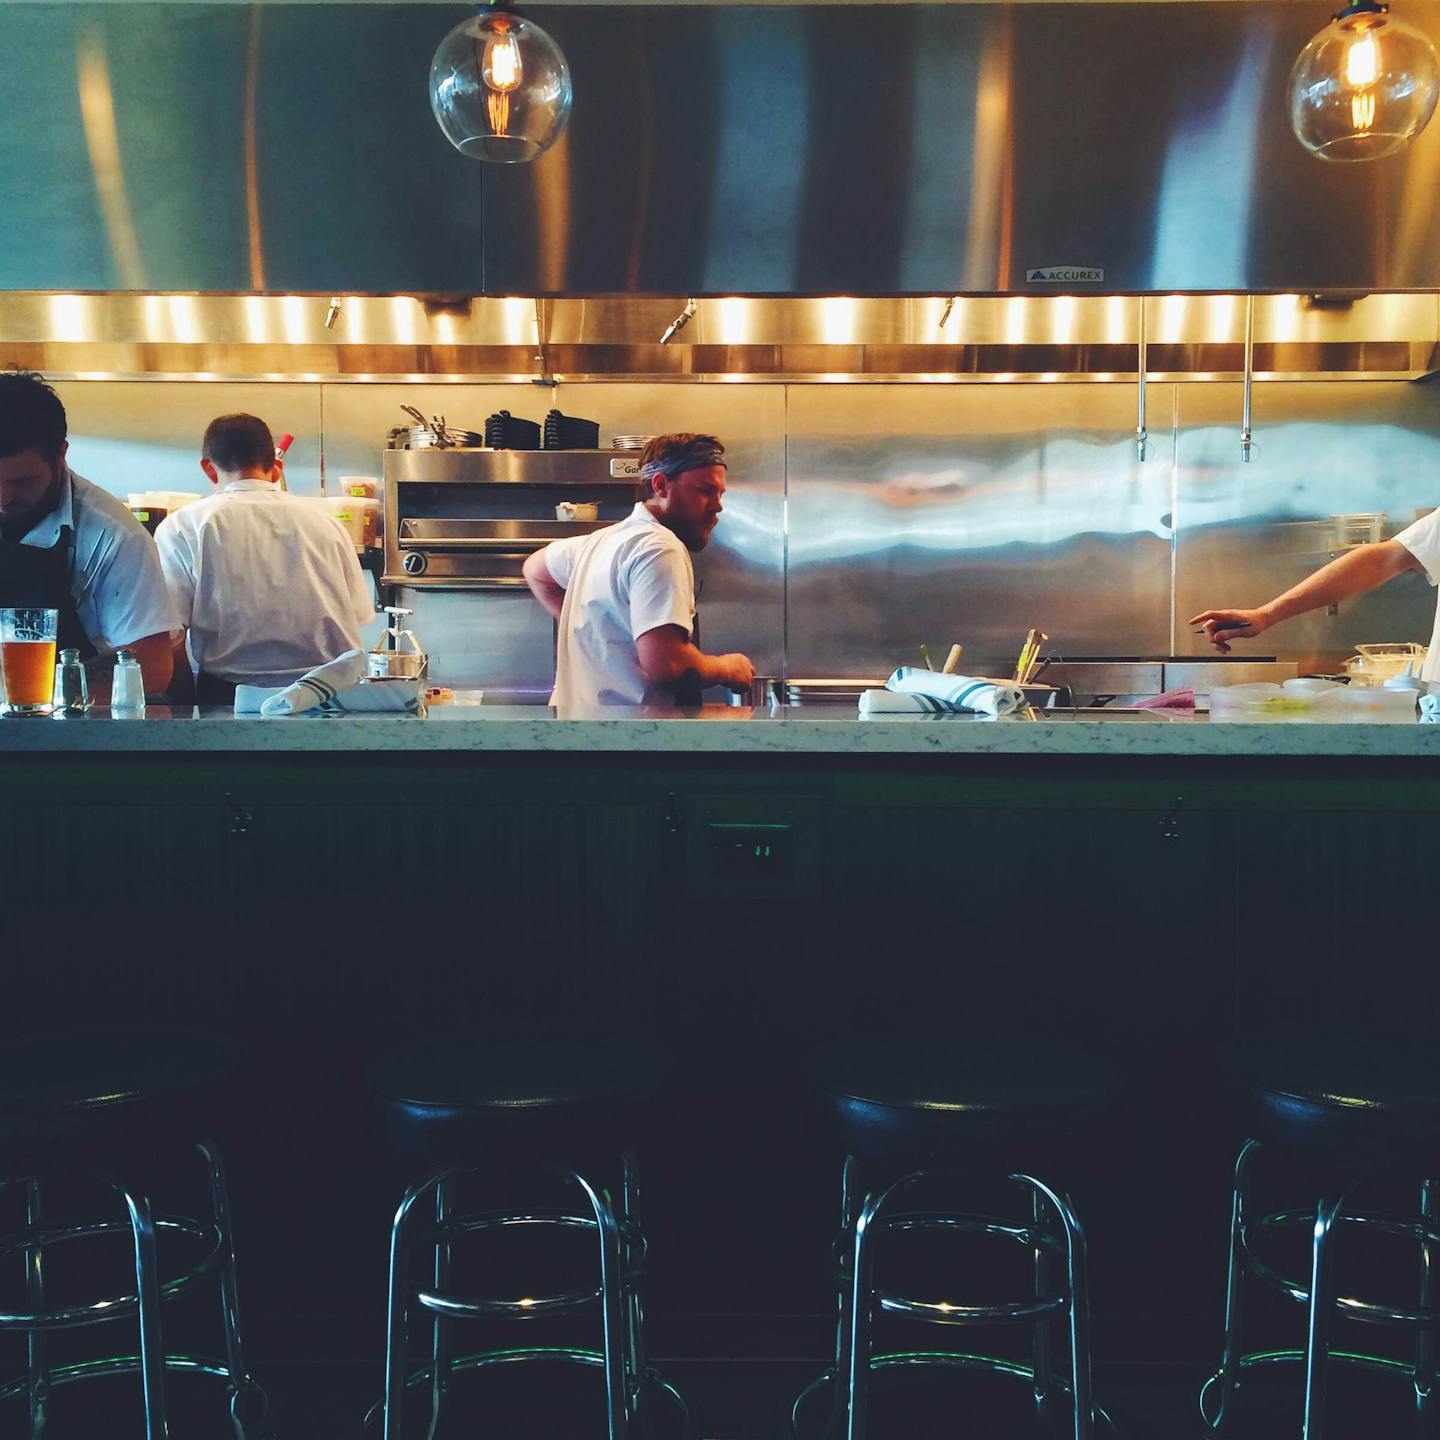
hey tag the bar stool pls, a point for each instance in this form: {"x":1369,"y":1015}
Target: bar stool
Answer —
{"x":470,"y":1108}
{"x":100,"y":1107}
{"x":1362,"y":1106}
{"x":909,"y":1113}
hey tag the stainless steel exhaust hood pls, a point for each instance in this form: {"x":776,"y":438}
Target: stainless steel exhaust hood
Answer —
{"x":734,"y":149}
{"x":732,"y":338}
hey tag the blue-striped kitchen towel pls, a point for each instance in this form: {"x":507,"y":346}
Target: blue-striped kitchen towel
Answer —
{"x":972,"y":693}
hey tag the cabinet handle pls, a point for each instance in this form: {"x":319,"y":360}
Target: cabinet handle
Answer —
{"x":1170,"y":821}
{"x":240,"y":818}
{"x":672,"y":814}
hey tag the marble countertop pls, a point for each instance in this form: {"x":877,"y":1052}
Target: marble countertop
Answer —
{"x":711,"y":730}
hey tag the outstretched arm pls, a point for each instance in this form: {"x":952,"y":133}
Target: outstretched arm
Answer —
{"x":1361,"y":569}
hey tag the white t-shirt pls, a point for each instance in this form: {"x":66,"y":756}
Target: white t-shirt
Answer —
{"x":620,"y":582}
{"x":119,"y":592}
{"x":1422,"y":540}
{"x":268,"y":586}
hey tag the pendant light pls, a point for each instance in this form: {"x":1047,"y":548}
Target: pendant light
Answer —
{"x":500,"y":87}
{"x":1364,"y":87}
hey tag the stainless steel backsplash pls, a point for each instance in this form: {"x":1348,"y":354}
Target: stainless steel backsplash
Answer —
{"x":863,"y":519}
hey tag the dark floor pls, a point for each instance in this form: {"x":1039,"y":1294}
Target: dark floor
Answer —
{"x":732,"y":1400}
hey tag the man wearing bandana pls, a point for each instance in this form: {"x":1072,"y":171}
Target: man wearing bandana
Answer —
{"x":624,"y":596}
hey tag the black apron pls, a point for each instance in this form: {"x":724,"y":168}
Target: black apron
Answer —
{"x":34,"y":577}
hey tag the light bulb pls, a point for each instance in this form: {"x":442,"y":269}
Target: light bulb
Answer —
{"x":500,"y":87}
{"x":501,"y":68}
{"x":1364,"y":87}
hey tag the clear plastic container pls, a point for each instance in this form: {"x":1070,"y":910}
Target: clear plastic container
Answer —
{"x":1375,"y":664}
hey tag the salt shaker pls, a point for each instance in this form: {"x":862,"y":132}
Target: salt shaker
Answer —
{"x":127,"y":689}
{"x":72,"y":693}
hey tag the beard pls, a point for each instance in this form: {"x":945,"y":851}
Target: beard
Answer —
{"x":17,"y":519}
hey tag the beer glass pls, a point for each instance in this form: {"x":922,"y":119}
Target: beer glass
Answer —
{"x":27,"y":659}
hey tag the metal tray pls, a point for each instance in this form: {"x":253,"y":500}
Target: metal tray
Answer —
{"x":418,"y":534}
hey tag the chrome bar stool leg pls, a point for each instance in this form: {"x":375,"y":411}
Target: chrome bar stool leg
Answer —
{"x":1229,"y":1374}
{"x":1040,"y":1344}
{"x":839,"y":1388}
{"x":857,"y":1383}
{"x":1427,"y":1347}
{"x":1322,"y":1304}
{"x":396,"y":1323}
{"x":441,"y":1352}
{"x":1077,"y":1273}
{"x":612,"y":1308}
{"x":637,"y":1361}
{"x":147,"y":1290}
{"x":242,"y":1385}
{"x":37,"y":1369}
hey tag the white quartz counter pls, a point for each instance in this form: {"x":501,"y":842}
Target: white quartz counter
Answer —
{"x":713,"y":730}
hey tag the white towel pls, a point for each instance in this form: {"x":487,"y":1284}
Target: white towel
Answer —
{"x":317,"y":686}
{"x":1430,"y":709}
{"x":250,"y":698}
{"x":957,"y":692}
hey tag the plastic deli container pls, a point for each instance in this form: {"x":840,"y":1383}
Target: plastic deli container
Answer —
{"x":359,"y":517}
{"x":366,"y":487}
{"x":1375,"y":664}
{"x":1336,"y":705}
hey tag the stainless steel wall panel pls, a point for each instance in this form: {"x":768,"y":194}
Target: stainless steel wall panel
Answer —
{"x":932,"y":514}
{"x":145,"y":435}
{"x":1248,"y":532}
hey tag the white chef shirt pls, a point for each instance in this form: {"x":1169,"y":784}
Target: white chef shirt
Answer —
{"x":268,"y":586}
{"x":1422,"y":540}
{"x":620,"y":582}
{"x":116,"y":583}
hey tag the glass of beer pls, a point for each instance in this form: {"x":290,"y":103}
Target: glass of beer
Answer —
{"x":27,"y":659}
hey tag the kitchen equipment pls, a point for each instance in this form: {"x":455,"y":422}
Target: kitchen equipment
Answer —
{"x":630,"y":442}
{"x":504,"y":431}
{"x":1373,"y":665}
{"x":432,"y":434}
{"x":398,"y":656}
{"x":577,"y":510}
{"x":925,"y":656}
{"x":1360,"y":529}
{"x":952,"y":660}
{"x":569,"y":432}
{"x":765,"y":693}
{"x":826,"y":691}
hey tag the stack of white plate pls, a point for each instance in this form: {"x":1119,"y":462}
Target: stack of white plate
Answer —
{"x":630,"y":442}
{"x":828,"y":692}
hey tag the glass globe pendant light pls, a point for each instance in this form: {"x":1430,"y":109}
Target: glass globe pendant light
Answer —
{"x":1364,"y":87}
{"x":500,"y":87}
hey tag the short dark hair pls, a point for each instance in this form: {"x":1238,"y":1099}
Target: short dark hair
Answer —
{"x":31,"y":415}
{"x":238,"y":442}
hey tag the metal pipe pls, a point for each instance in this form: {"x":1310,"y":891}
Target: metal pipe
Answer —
{"x":1142,"y":435}
{"x":1245,"y":441}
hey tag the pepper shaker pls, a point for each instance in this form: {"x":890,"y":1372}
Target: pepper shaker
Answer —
{"x":72,"y":691}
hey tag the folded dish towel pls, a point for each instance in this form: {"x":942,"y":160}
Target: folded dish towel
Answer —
{"x":957,"y":692}
{"x":1430,"y":709}
{"x":318,"y":686}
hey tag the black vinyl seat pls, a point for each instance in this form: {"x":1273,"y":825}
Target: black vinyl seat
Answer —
{"x":1370,"y":1098}
{"x":465,"y":1096}
{"x":109,"y":1107}
{"x":964,"y":1102}
{"x":919,"y":1116}
{"x":493,"y":1113}
{"x":103,"y":1096}
{"x":1344,"y":1108}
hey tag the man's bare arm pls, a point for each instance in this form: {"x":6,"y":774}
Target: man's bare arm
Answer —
{"x":542,"y":583}
{"x":666,"y":654}
{"x":1363,"y":568}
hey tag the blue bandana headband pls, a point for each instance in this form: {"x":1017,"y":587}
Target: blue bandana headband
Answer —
{"x":693,"y":457}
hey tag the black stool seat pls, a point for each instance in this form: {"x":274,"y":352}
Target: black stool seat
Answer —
{"x":445,"y":1096}
{"x":918,"y":1100}
{"x":100,"y":1096}
{"x":1372,"y":1098}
